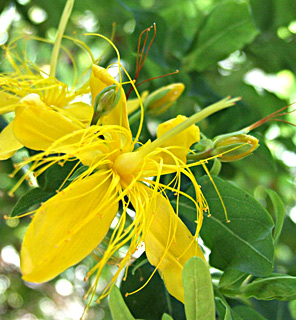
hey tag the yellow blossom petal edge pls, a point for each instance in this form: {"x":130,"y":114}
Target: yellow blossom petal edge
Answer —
{"x":169,"y":244}
{"x":66,"y":228}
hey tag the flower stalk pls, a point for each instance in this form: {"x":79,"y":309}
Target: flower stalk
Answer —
{"x":57,"y":45}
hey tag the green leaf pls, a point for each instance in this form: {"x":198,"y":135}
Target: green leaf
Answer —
{"x":198,"y":288}
{"x":245,"y":243}
{"x":33,"y":197}
{"x":277,"y":286}
{"x":228,"y":28}
{"x":166,"y":317}
{"x":118,"y":308}
{"x":279,"y":210}
{"x":247,"y":313}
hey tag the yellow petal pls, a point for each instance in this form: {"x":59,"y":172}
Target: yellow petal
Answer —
{"x":8,"y":142}
{"x":134,"y":104}
{"x":80,"y":111}
{"x":37,"y":126}
{"x":68,"y":227}
{"x":99,"y":80}
{"x":168,"y":243}
{"x":179,"y":144}
{"x":7,"y":102}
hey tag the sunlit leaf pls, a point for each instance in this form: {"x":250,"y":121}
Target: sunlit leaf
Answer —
{"x":198,"y":288}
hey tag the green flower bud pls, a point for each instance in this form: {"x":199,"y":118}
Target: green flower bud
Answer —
{"x":105,"y":102}
{"x":160,"y":100}
{"x":234,"y":146}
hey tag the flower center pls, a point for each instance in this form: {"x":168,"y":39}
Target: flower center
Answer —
{"x":127,"y":163}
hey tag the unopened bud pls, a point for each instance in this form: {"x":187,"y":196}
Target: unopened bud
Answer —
{"x":105,"y":102}
{"x":233,"y":147}
{"x":162,"y":99}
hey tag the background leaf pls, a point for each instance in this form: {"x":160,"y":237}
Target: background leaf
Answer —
{"x":229,"y":27}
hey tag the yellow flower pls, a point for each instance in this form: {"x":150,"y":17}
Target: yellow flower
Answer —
{"x":24,"y":83}
{"x":78,"y":217}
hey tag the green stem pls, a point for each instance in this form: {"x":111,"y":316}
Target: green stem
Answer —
{"x":57,"y":45}
{"x":220,"y":105}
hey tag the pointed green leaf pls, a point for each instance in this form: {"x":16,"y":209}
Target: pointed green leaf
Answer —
{"x":31,"y":198}
{"x":198,"y":288}
{"x":245,"y":243}
{"x":279,"y":210}
{"x":228,"y":28}
{"x":118,"y":308}
{"x":277,"y":286}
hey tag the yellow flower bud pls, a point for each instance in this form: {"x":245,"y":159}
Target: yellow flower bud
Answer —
{"x":160,"y":100}
{"x":233,"y":147}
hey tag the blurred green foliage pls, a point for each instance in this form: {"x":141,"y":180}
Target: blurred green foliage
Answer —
{"x":238,"y":48}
